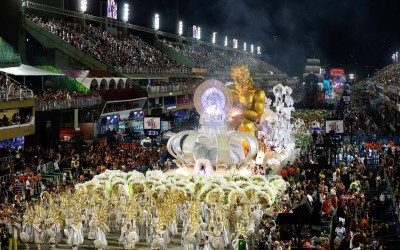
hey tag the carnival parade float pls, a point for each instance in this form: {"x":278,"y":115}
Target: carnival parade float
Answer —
{"x":214,"y":189}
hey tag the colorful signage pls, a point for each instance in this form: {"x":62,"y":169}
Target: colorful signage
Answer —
{"x":337,"y":72}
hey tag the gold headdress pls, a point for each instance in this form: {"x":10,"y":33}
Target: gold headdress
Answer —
{"x":242,"y":78}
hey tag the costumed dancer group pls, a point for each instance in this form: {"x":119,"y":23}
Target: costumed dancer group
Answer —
{"x":143,"y":211}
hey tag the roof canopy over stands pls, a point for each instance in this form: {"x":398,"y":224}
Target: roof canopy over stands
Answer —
{"x":26,"y":70}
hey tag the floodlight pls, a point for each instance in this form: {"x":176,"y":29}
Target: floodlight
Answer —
{"x":156,"y":22}
{"x":214,"y":37}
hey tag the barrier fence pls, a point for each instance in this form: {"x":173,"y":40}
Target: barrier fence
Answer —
{"x":364,"y":138}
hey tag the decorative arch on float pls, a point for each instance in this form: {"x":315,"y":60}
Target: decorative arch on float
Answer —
{"x":112,"y":84}
{"x":120,"y":83}
{"x":103,"y":84}
{"x":94,"y":84}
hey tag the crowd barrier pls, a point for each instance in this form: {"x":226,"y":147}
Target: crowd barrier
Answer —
{"x":394,"y":200}
{"x":364,"y":138}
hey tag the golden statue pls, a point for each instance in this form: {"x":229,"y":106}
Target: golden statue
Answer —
{"x":247,"y":98}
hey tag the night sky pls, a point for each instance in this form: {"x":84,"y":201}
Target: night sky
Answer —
{"x":359,"y":35}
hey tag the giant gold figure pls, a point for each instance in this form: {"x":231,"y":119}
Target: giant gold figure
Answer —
{"x":249,"y":99}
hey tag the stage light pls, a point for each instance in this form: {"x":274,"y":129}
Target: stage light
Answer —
{"x":252,"y":49}
{"x":258,"y":50}
{"x":226,"y":41}
{"x":156,"y":22}
{"x":395,"y":57}
{"x":125,"y":16}
{"x":180,"y":28}
{"x":198,"y":33}
{"x":244,"y":46}
{"x":235,"y":43}
{"x":194,"y":33}
{"x":83,"y":5}
{"x":214,"y":37}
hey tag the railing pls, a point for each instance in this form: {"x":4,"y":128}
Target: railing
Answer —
{"x":155,"y":71}
{"x":14,"y":91}
{"x":80,"y":102}
{"x":16,"y":95}
{"x":166,"y":89}
{"x":395,"y":202}
{"x":275,"y":75}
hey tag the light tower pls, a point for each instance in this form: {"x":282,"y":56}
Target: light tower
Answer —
{"x":83,"y":6}
{"x":214,"y":37}
{"x":125,"y":16}
{"x":198,"y":33}
{"x":156,"y":24}
{"x":180,"y":28}
{"x":235,"y":43}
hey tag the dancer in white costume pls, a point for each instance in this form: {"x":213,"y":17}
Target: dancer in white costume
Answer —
{"x":74,"y":231}
{"x":39,"y":234}
{"x":92,"y":235}
{"x":26,"y":235}
{"x":129,"y":237}
{"x":216,"y":238}
{"x":189,"y":242}
{"x":102,"y":228}
{"x":54,"y":227}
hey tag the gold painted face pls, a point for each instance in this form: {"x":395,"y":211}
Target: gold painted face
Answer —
{"x":242,"y":78}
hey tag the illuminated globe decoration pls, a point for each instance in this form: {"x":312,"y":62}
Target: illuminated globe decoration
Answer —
{"x":212,"y":101}
{"x":212,"y":141}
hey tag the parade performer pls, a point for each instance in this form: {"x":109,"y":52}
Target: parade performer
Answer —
{"x":129,"y":237}
{"x":26,"y":235}
{"x":74,"y":230}
{"x":102,"y":228}
{"x":39,"y":234}
{"x":92,"y":235}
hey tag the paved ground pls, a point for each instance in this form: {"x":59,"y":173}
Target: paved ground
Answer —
{"x":112,"y":244}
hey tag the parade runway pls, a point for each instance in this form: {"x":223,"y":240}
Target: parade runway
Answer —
{"x":112,"y":244}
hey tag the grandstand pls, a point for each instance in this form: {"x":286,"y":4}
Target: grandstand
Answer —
{"x":123,"y":49}
{"x":216,"y":59}
{"x":387,"y":75}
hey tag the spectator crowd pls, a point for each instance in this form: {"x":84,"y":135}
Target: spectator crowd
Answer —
{"x":125,"y":53}
{"x":215,"y":59}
